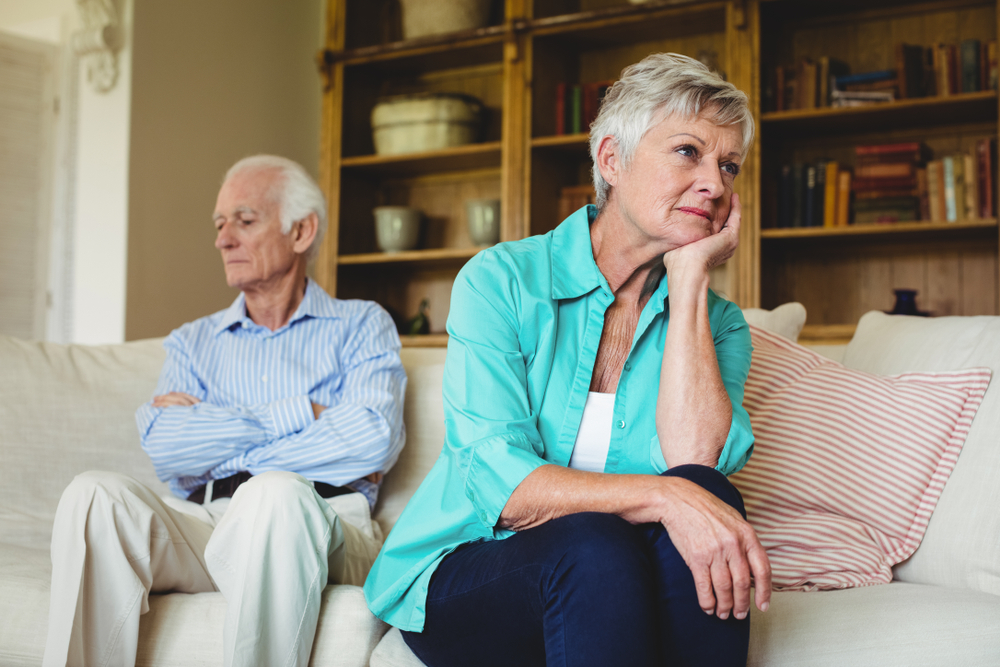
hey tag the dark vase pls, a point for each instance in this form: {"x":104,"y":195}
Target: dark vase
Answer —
{"x":906,"y":303}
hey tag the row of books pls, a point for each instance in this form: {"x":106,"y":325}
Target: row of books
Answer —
{"x":920,"y":71}
{"x":576,"y":105}
{"x":890,"y":183}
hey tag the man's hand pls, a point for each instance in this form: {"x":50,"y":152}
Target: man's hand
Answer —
{"x":175,"y":398}
{"x":318,"y":410}
{"x":721,"y":549}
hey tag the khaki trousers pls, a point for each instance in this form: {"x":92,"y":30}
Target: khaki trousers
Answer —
{"x":270,"y":550}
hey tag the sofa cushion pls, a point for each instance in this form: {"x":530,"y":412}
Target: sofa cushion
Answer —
{"x":65,"y":409}
{"x":847,"y":466}
{"x":786,"y":320}
{"x":898,"y":625}
{"x":423,"y":414}
{"x":346,"y":633}
{"x":962,"y":544}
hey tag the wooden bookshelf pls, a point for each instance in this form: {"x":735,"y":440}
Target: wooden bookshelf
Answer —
{"x":928,"y":228}
{"x":411,"y":256}
{"x":840,"y":273}
{"x":460,"y":158}
{"x":514,"y":66}
{"x":921,"y":112}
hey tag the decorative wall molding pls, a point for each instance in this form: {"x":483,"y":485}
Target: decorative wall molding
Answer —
{"x":97,"y":42}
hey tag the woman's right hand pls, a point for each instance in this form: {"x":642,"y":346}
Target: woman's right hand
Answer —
{"x":719,"y":546}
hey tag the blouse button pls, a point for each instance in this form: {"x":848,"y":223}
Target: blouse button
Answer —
{"x":263,"y":378}
{"x":621,"y":423}
{"x":628,"y":366}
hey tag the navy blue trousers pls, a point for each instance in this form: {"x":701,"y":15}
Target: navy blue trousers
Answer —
{"x":584,"y":589}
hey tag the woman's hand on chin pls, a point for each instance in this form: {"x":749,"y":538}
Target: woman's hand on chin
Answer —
{"x":721,"y":549}
{"x":707,"y":253}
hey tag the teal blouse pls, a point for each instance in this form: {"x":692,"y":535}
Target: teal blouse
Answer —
{"x":525,"y":323}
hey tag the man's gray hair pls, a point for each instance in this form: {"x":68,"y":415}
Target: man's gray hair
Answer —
{"x":661,"y":85}
{"x":296,"y":192}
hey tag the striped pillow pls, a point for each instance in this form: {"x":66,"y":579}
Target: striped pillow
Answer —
{"x":847,"y":466}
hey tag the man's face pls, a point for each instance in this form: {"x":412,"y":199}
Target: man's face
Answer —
{"x":255,"y":253}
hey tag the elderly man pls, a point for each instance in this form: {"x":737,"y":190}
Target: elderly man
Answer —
{"x":273,"y":421}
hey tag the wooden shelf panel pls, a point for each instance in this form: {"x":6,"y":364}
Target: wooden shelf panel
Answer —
{"x":410,"y":256}
{"x":885,"y":229}
{"x":925,"y":111}
{"x":426,"y":340}
{"x":459,"y":158}
{"x":570,"y":142}
{"x":827,"y":334}
{"x":623,"y":25}
{"x":433,"y":52}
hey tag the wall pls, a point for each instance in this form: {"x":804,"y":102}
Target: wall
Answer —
{"x":212,"y":82}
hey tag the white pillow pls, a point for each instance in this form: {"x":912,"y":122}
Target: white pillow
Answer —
{"x":786,"y":320}
{"x":962,"y":544}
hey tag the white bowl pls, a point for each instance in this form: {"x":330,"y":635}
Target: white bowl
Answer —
{"x":396,"y":227}
{"x":425,"y":122}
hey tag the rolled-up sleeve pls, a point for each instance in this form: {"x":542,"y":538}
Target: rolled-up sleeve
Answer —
{"x":490,"y":428}
{"x":733,"y":350}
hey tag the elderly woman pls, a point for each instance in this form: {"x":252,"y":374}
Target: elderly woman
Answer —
{"x":579,"y":513}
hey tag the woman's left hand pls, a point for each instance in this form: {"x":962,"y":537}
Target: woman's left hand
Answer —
{"x":711,"y":251}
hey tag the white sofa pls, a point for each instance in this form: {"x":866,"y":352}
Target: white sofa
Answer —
{"x":66,"y":409}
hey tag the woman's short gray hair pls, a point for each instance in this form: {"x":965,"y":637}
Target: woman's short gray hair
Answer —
{"x":297,"y":193}
{"x":661,"y":85}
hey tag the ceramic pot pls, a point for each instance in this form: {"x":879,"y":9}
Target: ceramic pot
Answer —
{"x":425,"y":122}
{"x":435,"y":17}
{"x":396,"y":227}
{"x":483,"y":217}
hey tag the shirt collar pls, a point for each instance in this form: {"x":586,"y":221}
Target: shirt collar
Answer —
{"x":574,"y":271}
{"x":315,"y":303}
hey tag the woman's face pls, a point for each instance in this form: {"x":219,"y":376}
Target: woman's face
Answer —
{"x":678,"y":187}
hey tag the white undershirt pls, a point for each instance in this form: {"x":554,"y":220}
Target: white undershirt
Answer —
{"x":590,"y":452}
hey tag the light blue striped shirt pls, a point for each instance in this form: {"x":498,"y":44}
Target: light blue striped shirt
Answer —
{"x":257,"y":388}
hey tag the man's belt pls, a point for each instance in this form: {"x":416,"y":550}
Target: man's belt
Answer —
{"x":226,"y":487}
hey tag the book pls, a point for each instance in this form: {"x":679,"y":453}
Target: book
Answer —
{"x":843,"y":198}
{"x":885,"y":216}
{"x":910,"y":147}
{"x":935,"y":190}
{"x":985,"y":154}
{"x":885,"y":170}
{"x":921,"y":194}
{"x":951,"y":210}
{"x":958,"y":168}
{"x":905,"y":183}
{"x":843,"y":98}
{"x":560,"y":108}
{"x":887,"y":203}
{"x":991,"y":63}
{"x":971,"y":202}
{"x":593,"y":96}
{"x":798,"y":193}
{"x":891,"y":192}
{"x":809,"y":197}
{"x":942,"y":70}
{"x":819,"y":202}
{"x":970,"y":54}
{"x":806,"y":77}
{"x":575,"y":109}
{"x":910,"y":71}
{"x":828,"y":68}
{"x":865,"y":77}
{"x":830,"y":197}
